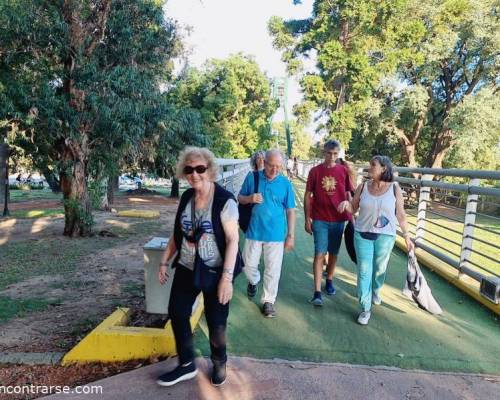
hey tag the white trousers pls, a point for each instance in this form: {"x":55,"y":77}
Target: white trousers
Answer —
{"x":273,"y":258}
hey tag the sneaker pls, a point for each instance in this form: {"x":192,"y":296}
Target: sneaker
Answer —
{"x":330,"y":290}
{"x":251,"y":290}
{"x":218,"y":373}
{"x":364,"y":317}
{"x":317,"y":300}
{"x":179,"y":374}
{"x":268,"y":310}
{"x":376,"y":299}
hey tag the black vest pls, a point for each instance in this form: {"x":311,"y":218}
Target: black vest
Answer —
{"x":221,"y":196}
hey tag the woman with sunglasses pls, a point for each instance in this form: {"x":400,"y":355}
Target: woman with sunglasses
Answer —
{"x":205,"y":238}
{"x":380,"y":204}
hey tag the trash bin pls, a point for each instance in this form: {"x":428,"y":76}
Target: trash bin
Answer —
{"x":157,"y":295}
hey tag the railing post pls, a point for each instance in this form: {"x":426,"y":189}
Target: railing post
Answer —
{"x":469,"y":221}
{"x":423,"y":199}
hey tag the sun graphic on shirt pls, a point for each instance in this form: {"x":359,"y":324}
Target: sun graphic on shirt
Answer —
{"x":329,"y":183}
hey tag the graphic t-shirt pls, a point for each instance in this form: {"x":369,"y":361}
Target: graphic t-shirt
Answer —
{"x":207,"y":245}
{"x":329,"y":186}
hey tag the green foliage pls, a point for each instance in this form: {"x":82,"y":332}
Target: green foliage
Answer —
{"x":96,"y":193}
{"x":397,"y":76}
{"x":476,"y":122}
{"x":83,"y":89}
{"x":11,"y":308}
{"x":234,"y":101}
{"x":301,"y":140}
{"x":353,"y":45}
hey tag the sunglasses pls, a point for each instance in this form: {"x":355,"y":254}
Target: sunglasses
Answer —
{"x":200,"y":169}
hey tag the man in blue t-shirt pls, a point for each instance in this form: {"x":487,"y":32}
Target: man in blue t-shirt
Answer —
{"x":271,"y":229}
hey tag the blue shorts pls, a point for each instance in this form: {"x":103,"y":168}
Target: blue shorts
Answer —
{"x":327,"y":236}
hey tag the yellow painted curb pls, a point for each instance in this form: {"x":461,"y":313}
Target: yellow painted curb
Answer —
{"x":113,"y":341}
{"x":465,"y":283}
{"x":138,"y":214}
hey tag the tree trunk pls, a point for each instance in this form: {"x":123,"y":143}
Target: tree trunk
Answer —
{"x":174,"y":192}
{"x":111,"y":190}
{"x":408,"y":154}
{"x":115,"y":184}
{"x":51,"y":179}
{"x":440,"y":146}
{"x":77,"y":207}
{"x":105,"y":204}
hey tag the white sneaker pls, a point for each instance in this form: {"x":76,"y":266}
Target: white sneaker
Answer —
{"x":364,"y":317}
{"x":376,"y":299}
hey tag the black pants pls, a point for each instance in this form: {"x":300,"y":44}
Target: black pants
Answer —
{"x":182,"y":297}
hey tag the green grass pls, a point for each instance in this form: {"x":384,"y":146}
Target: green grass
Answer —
{"x":37,"y":213}
{"x":452,"y":249}
{"x":21,"y":260}
{"x":10,"y":308}
{"x":17,"y":196}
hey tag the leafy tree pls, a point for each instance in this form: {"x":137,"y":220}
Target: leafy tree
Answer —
{"x":82,"y":78}
{"x":458,"y":56}
{"x":353,"y":44}
{"x":234,"y":100}
{"x":393,"y":72}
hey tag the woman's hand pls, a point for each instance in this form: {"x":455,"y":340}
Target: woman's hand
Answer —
{"x":410,"y":246}
{"x":344,"y":206}
{"x":225,"y":290}
{"x":163,"y":274}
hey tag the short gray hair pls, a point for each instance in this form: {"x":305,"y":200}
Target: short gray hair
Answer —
{"x":273,"y":152}
{"x":194,"y":153}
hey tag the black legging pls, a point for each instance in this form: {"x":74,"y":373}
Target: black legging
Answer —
{"x":182,"y":298}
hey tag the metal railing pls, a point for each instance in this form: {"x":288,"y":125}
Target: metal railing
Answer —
{"x":452,"y":214}
{"x":232,"y":174}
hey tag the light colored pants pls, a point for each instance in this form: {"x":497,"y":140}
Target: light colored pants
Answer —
{"x":273,"y":258}
{"x":373,"y":257}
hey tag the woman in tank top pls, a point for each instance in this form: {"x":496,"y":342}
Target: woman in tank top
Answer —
{"x":381,"y":207}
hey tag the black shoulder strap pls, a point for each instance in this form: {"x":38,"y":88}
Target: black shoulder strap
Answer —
{"x":255,"y":181}
{"x":394,"y":188}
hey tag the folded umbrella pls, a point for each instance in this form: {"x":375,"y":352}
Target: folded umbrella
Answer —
{"x":417,"y":289}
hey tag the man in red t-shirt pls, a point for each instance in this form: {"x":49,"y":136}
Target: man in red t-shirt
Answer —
{"x":328,"y":184}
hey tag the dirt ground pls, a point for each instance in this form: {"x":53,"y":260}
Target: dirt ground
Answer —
{"x":109,"y":277}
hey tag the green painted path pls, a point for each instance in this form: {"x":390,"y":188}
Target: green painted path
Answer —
{"x":465,"y":338}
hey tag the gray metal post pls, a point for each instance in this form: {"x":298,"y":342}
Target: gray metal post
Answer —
{"x":469,"y":221}
{"x":423,"y":198}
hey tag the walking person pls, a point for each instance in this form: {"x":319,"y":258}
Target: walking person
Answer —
{"x":204,"y":249}
{"x":328,"y":184}
{"x":381,"y":207}
{"x":271,"y":229}
{"x":289,"y":168}
{"x":257,"y":160}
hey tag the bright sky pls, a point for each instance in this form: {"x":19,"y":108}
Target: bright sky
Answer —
{"x":224,"y":27}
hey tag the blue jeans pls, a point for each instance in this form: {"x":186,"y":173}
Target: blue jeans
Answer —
{"x":373,"y":257}
{"x":327,"y":236}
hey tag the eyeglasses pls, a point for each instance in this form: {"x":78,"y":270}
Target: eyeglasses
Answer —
{"x":200,"y":169}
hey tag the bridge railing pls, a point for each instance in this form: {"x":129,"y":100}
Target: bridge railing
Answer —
{"x":454,"y":215}
{"x":232,"y":173}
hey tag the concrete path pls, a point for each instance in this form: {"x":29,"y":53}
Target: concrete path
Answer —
{"x":278,"y":379}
